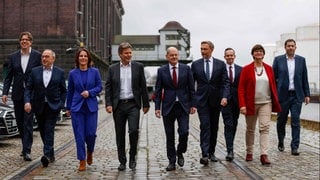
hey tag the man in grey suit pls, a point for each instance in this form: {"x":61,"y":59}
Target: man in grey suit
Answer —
{"x":20,"y":64}
{"x":125,"y":88}
{"x":176,"y":85}
{"x":290,"y":72}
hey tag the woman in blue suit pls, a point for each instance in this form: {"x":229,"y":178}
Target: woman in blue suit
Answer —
{"x":84,"y":84}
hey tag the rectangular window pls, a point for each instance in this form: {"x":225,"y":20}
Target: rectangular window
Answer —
{"x":173,"y":37}
{"x":143,"y":47}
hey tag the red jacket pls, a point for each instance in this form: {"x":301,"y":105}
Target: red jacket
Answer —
{"x":246,"y":89}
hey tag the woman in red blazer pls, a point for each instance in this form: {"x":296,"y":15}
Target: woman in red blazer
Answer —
{"x":257,"y":99}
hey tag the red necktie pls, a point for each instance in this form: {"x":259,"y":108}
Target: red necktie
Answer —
{"x":174,"y":76}
{"x":230,"y":74}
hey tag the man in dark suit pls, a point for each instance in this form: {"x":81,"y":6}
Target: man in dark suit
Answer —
{"x":20,"y":64}
{"x":211,"y":93}
{"x":290,"y":72}
{"x":230,"y":113}
{"x":176,"y":83}
{"x":125,"y":88}
{"x":45,"y":95}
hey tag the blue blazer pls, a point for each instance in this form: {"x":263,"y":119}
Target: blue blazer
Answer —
{"x":55,"y":92}
{"x":213,"y":90}
{"x":185,"y":90}
{"x":234,"y":86}
{"x":15,"y":73}
{"x":281,"y":74}
{"x":76,"y":87}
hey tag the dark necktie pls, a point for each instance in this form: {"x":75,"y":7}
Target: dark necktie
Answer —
{"x":174,"y":76}
{"x":207,"y":69}
{"x":230,"y":74}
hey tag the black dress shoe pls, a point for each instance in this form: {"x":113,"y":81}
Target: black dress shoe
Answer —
{"x":180,"y":160}
{"x":132,"y":164}
{"x":295,"y":152}
{"x":229,"y":156}
{"x":171,"y":167}
{"x":27,"y":157}
{"x":122,"y":167}
{"x":204,"y":161}
{"x":52,"y":159}
{"x":213,"y":158}
{"x":280,"y":147}
{"x":44,"y":161}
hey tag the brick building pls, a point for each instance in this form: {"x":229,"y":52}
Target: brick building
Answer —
{"x":62,"y":25}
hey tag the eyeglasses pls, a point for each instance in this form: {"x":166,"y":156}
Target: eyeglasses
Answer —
{"x":24,"y":39}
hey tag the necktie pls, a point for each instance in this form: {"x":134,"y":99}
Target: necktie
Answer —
{"x":174,"y":76}
{"x":207,"y":69}
{"x":230,"y":74}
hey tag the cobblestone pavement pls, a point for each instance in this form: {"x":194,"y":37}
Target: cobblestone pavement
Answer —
{"x":152,"y":160}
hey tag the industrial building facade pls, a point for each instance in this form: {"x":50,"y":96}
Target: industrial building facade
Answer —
{"x":63,"y":26}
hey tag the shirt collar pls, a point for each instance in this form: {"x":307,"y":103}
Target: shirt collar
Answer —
{"x":122,"y":65}
{"x":290,"y":59}
{"x":177,"y":66}
{"x":27,"y":53}
{"x":50,"y":69}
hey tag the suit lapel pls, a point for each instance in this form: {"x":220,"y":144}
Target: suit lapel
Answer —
{"x":117,"y":75}
{"x":29,"y":61}
{"x":79,"y":77}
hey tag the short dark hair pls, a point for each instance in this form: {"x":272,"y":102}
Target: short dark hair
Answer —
{"x":26,"y":33}
{"x":289,"y":40}
{"x":229,"y":48}
{"x":90,"y":62}
{"x":257,"y":47}
{"x":122,"y":46}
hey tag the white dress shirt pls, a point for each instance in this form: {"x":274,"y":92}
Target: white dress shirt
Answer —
{"x":125,"y":81}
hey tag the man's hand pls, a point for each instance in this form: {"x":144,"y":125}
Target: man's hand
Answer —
{"x":145,"y":110}
{"x":109,"y":109}
{"x":307,"y":100}
{"x":158,"y":113}
{"x":27,"y":107}
{"x":68,"y":113}
{"x":193,"y":110}
{"x":224,"y":102}
{"x":4,"y":99}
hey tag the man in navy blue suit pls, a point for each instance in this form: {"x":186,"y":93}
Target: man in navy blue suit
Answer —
{"x":45,"y":95}
{"x":212,"y":91}
{"x":20,"y":64}
{"x":290,"y":72}
{"x":175,"y":94}
{"x":230,"y":113}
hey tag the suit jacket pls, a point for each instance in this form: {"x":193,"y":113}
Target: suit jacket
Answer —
{"x":234,"y":85}
{"x":16,"y":74}
{"x":184,"y":91}
{"x":76,"y":87}
{"x":138,"y":82}
{"x":281,"y":74}
{"x":247,"y":86}
{"x":213,"y":90}
{"x":55,"y":92}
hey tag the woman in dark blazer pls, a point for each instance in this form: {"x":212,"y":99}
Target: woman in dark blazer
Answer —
{"x":258,"y":97}
{"x":84,"y":84}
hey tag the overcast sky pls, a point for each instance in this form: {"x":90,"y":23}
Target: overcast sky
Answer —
{"x":227,"y":23}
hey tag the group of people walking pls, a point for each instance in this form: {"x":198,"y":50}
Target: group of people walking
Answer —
{"x":256,"y":90}
{"x":209,"y":87}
